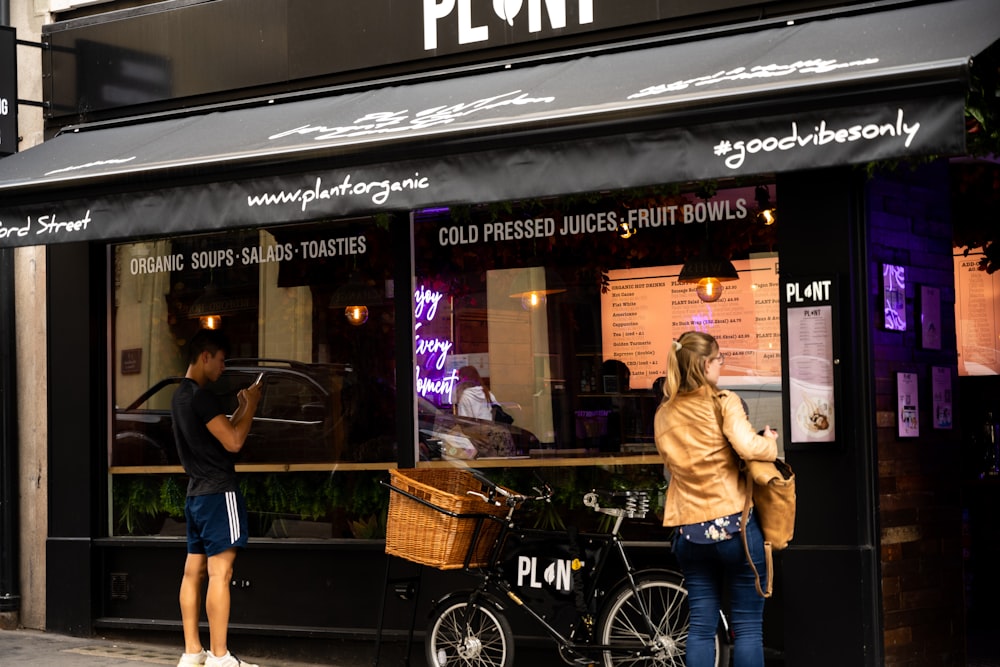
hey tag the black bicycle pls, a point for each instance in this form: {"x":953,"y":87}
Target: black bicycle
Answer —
{"x":559,"y":579}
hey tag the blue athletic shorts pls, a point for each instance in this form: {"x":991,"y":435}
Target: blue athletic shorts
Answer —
{"x":215,"y":522}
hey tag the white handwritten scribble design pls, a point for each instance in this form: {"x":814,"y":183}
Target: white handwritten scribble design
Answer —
{"x":96,"y":163}
{"x":388,"y":122}
{"x":772,"y":71}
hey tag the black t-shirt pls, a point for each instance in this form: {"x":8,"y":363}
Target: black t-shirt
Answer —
{"x":210,"y":467}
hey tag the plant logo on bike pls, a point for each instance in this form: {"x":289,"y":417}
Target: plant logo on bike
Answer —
{"x":557,"y":574}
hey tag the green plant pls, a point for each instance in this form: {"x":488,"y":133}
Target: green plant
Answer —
{"x":139,"y":502}
{"x":172,"y":497}
{"x":369,"y":528}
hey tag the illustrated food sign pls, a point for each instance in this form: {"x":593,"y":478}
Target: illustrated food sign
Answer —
{"x":645,"y":309}
{"x":8,"y":91}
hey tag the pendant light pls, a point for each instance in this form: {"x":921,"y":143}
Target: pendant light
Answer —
{"x":533,"y":285}
{"x":354,"y":297}
{"x":206,"y":308}
{"x":707,"y":271}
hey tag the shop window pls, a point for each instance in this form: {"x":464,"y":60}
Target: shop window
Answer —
{"x":563,"y":312}
{"x":290,"y":300}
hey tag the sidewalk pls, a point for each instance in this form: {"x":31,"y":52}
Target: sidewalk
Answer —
{"x":31,"y":648}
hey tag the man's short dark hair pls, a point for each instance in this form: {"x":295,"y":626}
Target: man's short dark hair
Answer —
{"x":207,"y":340}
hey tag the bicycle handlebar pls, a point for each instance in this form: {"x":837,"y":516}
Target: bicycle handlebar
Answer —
{"x":509,"y":498}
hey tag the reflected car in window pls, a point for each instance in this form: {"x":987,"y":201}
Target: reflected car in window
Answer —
{"x":446,"y":435}
{"x":308,"y":413}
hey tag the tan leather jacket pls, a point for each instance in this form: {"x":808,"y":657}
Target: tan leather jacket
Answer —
{"x":705,"y":483}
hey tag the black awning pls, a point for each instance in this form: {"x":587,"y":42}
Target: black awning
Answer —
{"x":817,"y":93}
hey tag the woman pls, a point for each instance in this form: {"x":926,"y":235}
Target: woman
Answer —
{"x":697,"y":428}
{"x":474,"y":397}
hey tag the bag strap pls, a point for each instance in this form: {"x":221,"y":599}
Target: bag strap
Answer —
{"x":745,"y":518}
{"x":768,"y":556}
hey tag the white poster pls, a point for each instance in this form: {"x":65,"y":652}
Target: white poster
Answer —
{"x":941,"y":390}
{"x":977,"y":303}
{"x":908,"y":405}
{"x":810,"y":374}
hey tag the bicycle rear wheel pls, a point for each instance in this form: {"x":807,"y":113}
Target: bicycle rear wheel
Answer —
{"x":461,"y":634}
{"x":622,"y":623}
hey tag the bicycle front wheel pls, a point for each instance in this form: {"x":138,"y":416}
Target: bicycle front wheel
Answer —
{"x":647,"y":625}
{"x":463,"y":634}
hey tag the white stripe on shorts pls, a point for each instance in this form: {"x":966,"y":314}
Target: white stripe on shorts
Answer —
{"x":234,"y":517}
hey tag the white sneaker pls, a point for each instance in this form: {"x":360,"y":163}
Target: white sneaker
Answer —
{"x":191,"y":659}
{"x":228,"y":660}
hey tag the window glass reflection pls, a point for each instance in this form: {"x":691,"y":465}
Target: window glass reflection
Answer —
{"x":564,"y":310}
{"x":288,"y":299}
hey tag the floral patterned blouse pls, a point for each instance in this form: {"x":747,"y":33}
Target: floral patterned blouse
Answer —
{"x":710,"y":532}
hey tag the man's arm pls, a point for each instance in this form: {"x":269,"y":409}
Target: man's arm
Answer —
{"x":232,"y":433}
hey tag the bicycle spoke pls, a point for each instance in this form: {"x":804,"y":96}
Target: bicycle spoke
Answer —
{"x":465,"y":636}
{"x":649,"y":624}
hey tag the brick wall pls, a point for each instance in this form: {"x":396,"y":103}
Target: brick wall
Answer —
{"x":918,"y":478}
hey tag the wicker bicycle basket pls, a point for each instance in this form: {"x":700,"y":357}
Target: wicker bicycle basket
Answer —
{"x":424,"y":534}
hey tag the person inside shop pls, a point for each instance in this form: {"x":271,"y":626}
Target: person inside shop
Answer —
{"x":701,"y":433}
{"x":616,"y":381}
{"x":473,"y":397}
{"x":658,"y":387}
{"x":207,"y":444}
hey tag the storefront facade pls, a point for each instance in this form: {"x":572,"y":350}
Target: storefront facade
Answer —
{"x":365,"y":224}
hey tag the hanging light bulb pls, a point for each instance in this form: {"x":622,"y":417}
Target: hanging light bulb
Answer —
{"x":708,"y":271}
{"x":533,"y":285}
{"x":767,"y":213}
{"x":210,"y":321}
{"x":709,"y":289}
{"x":707,"y":275}
{"x":208,"y":307}
{"x":354,"y":297}
{"x":356,"y":315}
{"x":532,"y":300}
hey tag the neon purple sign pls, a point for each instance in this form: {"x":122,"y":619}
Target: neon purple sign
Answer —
{"x":431,"y":351}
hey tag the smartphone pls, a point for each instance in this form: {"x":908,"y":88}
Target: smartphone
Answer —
{"x":260,"y":378}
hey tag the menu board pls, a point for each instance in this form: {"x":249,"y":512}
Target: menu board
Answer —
{"x":977,"y":306}
{"x":645,"y":309}
{"x":811,"y":387}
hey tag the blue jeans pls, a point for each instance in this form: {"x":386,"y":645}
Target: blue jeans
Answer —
{"x":707,"y":568}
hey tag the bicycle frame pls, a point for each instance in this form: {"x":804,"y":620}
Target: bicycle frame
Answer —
{"x":559,"y":579}
{"x":555,"y":577}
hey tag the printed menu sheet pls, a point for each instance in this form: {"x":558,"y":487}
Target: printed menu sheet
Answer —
{"x":977,"y":311}
{"x":810,"y":374}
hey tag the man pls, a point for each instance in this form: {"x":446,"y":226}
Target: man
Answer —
{"x":207,"y":443}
